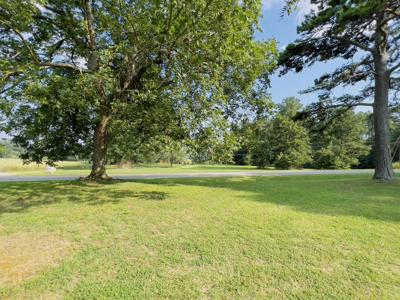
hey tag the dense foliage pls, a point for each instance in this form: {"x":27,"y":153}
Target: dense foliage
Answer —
{"x":8,"y":149}
{"x":275,"y":140}
{"x":342,"y":142}
{"x":364,"y":34}
{"x":322,"y":142}
{"x":125,"y":73}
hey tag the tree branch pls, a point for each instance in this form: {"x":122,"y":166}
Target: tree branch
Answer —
{"x":8,"y":75}
{"x":62,"y":65}
{"x":395,"y":12}
{"x":45,"y":64}
{"x":6,"y":89}
{"x":354,"y":43}
{"x":89,"y":24}
{"x":91,"y":37}
{"x":394,"y":68}
{"x":348,"y":105}
{"x":192,"y":24}
{"x":27,"y":46}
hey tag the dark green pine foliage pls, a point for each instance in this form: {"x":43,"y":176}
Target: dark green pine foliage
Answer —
{"x":341,"y":143}
{"x":365,"y":34}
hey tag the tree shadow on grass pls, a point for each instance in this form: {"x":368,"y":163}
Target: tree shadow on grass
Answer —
{"x":333,"y":195}
{"x":226,"y":168}
{"x":18,"y":197}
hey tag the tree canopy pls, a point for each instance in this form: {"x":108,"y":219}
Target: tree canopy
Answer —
{"x":365,"y":33}
{"x":79,"y":75}
{"x":342,"y":141}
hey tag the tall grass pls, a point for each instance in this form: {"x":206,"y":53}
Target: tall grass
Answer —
{"x":17,"y":165}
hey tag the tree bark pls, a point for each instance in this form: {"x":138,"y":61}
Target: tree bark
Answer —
{"x":100,"y":139}
{"x":100,"y":143}
{"x":383,"y":164}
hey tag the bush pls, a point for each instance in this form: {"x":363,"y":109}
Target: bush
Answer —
{"x":262,"y":155}
{"x":332,"y":157}
{"x":341,"y":143}
{"x":290,"y":144}
{"x":291,"y":160}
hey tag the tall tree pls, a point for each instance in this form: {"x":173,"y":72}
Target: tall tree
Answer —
{"x":341,"y":142}
{"x":275,"y":138}
{"x":366,"y":34}
{"x":289,"y":139}
{"x":128,"y":64}
{"x":395,"y":130}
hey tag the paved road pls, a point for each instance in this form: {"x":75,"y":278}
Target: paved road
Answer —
{"x":8,"y":178}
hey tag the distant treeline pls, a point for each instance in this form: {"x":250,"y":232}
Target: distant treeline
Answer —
{"x":8,"y":149}
{"x":282,"y":137}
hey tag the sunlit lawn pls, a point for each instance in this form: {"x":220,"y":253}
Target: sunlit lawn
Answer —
{"x":321,"y":237}
{"x":15,"y":167}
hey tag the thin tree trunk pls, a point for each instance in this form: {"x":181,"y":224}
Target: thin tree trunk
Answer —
{"x":383,"y":164}
{"x":100,"y":143}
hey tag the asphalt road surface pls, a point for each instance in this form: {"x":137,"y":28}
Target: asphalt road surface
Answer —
{"x":4,"y":177}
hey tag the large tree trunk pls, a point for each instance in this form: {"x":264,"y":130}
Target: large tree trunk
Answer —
{"x":383,"y":167}
{"x":383,"y":164}
{"x":100,"y":139}
{"x":100,"y":143}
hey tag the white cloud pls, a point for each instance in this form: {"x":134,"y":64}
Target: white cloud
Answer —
{"x":304,"y":8}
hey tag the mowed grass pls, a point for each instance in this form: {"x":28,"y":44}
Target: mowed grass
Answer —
{"x":320,"y":237}
{"x":13,"y":166}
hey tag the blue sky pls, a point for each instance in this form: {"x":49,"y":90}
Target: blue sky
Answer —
{"x":284,"y":30}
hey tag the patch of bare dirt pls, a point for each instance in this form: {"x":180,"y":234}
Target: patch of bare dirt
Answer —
{"x":24,"y":255}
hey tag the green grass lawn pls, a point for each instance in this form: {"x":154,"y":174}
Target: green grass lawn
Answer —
{"x":324,"y":237}
{"x":15,"y":167}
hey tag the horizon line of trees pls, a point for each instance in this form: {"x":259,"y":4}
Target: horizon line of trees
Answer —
{"x":110,"y":80}
{"x":276,"y":138}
